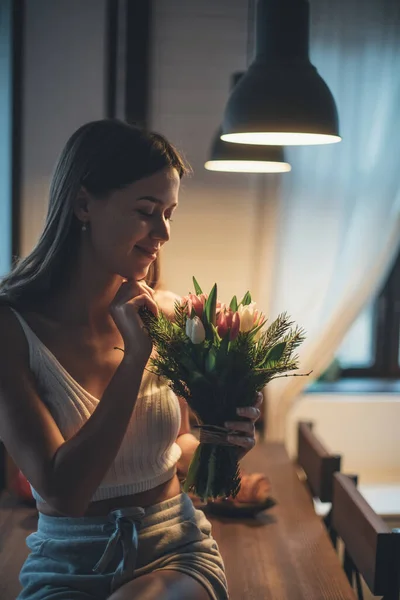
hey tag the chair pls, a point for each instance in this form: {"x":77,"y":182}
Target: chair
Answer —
{"x":317,"y":463}
{"x":319,"y":466}
{"x":372,"y":550}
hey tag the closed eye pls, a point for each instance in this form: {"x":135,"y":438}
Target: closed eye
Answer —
{"x":151,"y":214}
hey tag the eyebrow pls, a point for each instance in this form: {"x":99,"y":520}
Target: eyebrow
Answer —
{"x":156,"y":200}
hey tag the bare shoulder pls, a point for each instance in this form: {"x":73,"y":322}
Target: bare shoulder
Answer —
{"x":166,"y":301}
{"x":14,"y":352}
{"x":11,"y":334}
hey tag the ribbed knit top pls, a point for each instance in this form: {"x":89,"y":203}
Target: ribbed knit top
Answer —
{"x":148,"y":454}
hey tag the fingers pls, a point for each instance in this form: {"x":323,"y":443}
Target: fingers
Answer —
{"x":259,"y":399}
{"x":118,"y":310}
{"x":127,"y":291}
{"x":130,"y":289}
{"x":236,"y":437}
{"x":146,"y":287}
{"x":243,"y":441}
{"x":249,"y":412}
{"x":242,"y":426}
{"x":243,"y":432}
{"x":145,"y":300}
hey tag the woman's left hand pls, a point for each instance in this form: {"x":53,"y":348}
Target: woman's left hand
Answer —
{"x":243,"y":432}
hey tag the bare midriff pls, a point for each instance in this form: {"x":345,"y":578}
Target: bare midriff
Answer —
{"x":162,"y":492}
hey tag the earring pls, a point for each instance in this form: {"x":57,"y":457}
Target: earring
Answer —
{"x":84,"y":227}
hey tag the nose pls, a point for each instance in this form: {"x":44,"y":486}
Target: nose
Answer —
{"x":160,"y":230}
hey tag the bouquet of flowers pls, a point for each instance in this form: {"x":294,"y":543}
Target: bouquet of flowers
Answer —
{"x":217,"y":357}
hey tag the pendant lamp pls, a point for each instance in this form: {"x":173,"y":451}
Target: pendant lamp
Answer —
{"x":281,"y":99}
{"x":245,"y":158}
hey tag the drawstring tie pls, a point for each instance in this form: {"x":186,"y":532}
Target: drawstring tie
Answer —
{"x":126,"y":520}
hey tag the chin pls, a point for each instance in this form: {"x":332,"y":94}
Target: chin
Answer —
{"x":136,"y":274}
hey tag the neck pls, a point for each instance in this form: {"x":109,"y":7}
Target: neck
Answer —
{"x":85,"y":296}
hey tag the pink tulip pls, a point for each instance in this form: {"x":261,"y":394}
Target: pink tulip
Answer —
{"x":258,"y":319}
{"x":229,"y":317}
{"x":228,"y":321}
{"x":235,"y":327}
{"x":220,"y":307}
{"x":222,"y":324}
{"x":196,"y":303}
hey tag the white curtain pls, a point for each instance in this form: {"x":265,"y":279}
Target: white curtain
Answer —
{"x":338,"y":224}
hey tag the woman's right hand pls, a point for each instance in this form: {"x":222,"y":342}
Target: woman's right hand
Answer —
{"x":124,"y":309}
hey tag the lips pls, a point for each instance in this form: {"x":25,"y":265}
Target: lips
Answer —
{"x":149,"y":252}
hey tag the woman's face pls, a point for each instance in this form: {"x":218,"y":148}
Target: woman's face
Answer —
{"x":128,"y":228}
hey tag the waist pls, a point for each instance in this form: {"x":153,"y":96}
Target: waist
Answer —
{"x":165,"y":491}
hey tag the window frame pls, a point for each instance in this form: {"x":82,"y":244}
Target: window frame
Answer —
{"x":386,"y":333}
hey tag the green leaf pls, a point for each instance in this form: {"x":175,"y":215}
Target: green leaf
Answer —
{"x":223,"y":348}
{"x":246,"y":299}
{"x":253,"y":332}
{"x":212,"y":465}
{"x":176,"y":328}
{"x":197,"y":288}
{"x":215,"y":336}
{"x":275,"y":354}
{"x":222,"y":358}
{"x":210,"y":306}
{"x":234,"y":304}
{"x":210,"y":361}
{"x":209,"y":329}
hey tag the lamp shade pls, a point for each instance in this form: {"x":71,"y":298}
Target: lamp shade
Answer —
{"x":245,"y":158}
{"x":281,"y":99}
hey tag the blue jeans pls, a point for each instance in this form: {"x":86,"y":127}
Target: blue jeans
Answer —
{"x":87,"y":558}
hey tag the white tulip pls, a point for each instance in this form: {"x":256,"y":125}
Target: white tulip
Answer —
{"x":195,"y":330}
{"x":247,"y":314}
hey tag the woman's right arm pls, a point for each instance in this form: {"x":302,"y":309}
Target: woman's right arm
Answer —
{"x":66,"y":473}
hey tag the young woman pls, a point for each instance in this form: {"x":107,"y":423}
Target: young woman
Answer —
{"x":100,"y":439}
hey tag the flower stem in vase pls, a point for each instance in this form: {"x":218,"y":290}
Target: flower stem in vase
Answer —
{"x":213,"y":472}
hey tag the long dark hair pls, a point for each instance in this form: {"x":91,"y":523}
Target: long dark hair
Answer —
{"x":102,"y":156}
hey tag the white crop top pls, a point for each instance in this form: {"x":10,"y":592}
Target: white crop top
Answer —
{"x":148,"y":454}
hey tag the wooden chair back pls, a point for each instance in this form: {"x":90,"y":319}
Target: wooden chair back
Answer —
{"x":371,"y":548}
{"x":317,"y":463}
